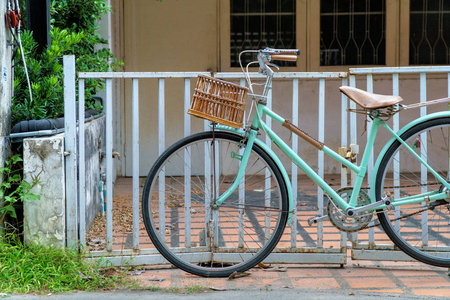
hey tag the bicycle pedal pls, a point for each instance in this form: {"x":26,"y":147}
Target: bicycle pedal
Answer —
{"x":316,"y":219}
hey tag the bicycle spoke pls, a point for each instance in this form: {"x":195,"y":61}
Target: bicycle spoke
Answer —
{"x":422,"y":230}
{"x":231,"y":237}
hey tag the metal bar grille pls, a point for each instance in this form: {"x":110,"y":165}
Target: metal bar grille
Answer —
{"x":352,"y":32}
{"x":429,"y":33}
{"x":260,"y":24}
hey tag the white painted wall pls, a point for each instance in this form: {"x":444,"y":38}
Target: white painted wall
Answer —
{"x":6,"y":85}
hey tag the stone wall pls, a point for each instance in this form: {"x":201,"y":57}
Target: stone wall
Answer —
{"x":45,"y":219}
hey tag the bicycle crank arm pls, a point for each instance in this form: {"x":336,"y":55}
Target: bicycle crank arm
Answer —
{"x":384,"y":201}
{"x":316,"y":219}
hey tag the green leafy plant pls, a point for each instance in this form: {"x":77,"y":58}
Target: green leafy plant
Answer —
{"x":40,"y":269}
{"x":45,"y":73}
{"x":13,"y":188}
{"x":74,"y":30}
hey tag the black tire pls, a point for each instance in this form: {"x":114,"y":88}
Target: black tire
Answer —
{"x":425,"y":235}
{"x":245,"y":232}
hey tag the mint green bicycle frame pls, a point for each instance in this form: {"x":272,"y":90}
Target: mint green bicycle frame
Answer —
{"x":360,"y":170}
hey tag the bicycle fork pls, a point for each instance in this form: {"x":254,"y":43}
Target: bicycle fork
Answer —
{"x":213,"y":231}
{"x":244,"y":160}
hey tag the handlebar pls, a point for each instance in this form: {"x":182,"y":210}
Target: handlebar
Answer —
{"x":281,"y":51}
{"x":268,"y":54}
{"x":280,"y":54}
{"x":283,"y":57}
{"x":265,"y":56}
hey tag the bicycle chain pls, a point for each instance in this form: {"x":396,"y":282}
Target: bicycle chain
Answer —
{"x":393,"y":187}
{"x":378,"y":222}
{"x":403,"y":217}
{"x":257,"y":207}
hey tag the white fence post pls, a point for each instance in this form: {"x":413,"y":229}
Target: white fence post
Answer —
{"x":135,"y":133}
{"x":70,"y":146}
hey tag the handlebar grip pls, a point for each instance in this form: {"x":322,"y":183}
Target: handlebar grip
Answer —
{"x":284,"y":57}
{"x":289,"y":51}
{"x":272,"y":51}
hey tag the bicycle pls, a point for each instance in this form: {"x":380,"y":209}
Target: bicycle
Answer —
{"x":217,"y":202}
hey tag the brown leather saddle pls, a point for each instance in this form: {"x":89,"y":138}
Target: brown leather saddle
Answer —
{"x":368,"y":100}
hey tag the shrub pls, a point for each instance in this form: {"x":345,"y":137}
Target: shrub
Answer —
{"x":73,"y":31}
{"x":13,"y":188}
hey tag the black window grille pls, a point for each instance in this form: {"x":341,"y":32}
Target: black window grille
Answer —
{"x":352,"y":32}
{"x":429,"y":32}
{"x":257,"y":24}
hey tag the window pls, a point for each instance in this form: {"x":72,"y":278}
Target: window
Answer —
{"x":256,"y":24}
{"x":429,"y":32}
{"x":334,"y":35}
{"x":352,"y":32}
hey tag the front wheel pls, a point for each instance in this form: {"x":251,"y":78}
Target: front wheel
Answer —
{"x":421,"y":230}
{"x":185,"y":225}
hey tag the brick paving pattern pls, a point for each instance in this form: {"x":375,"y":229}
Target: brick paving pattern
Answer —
{"x":355,"y":278}
{"x":384,"y":277}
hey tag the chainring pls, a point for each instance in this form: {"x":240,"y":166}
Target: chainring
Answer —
{"x":339,"y":218}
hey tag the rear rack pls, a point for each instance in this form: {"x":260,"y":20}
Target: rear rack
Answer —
{"x":416,"y":105}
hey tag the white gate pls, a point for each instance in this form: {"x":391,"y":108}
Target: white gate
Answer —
{"x":301,"y":243}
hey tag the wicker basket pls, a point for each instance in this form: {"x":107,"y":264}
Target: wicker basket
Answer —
{"x":219,"y":101}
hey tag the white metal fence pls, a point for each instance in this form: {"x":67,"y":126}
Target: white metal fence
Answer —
{"x":318,"y":244}
{"x":369,"y":248}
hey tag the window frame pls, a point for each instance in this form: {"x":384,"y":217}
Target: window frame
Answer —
{"x":392,"y":23}
{"x":225,"y":30}
{"x":404,"y":11}
{"x":308,"y":37}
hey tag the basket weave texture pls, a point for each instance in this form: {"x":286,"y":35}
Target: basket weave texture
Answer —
{"x":219,"y":101}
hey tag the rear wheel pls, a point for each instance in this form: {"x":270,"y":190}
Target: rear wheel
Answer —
{"x":187,"y":227}
{"x":421,"y":230}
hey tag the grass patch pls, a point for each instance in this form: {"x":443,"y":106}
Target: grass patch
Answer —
{"x":153,"y":288}
{"x":41,"y":269}
{"x":196,"y":288}
{"x":188,"y":289}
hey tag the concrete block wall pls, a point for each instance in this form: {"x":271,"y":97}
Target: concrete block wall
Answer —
{"x":45,"y":219}
{"x":95,"y":146}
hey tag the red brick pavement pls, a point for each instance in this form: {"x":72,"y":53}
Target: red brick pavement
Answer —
{"x":383,"y":277}
{"x":355,"y":278}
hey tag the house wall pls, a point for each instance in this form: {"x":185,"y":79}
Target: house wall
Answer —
{"x":186,"y":36}
{"x":156,"y":39}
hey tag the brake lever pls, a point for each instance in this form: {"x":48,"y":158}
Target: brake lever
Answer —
{"x":270,"y":51}
{"x":274,"y":65}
